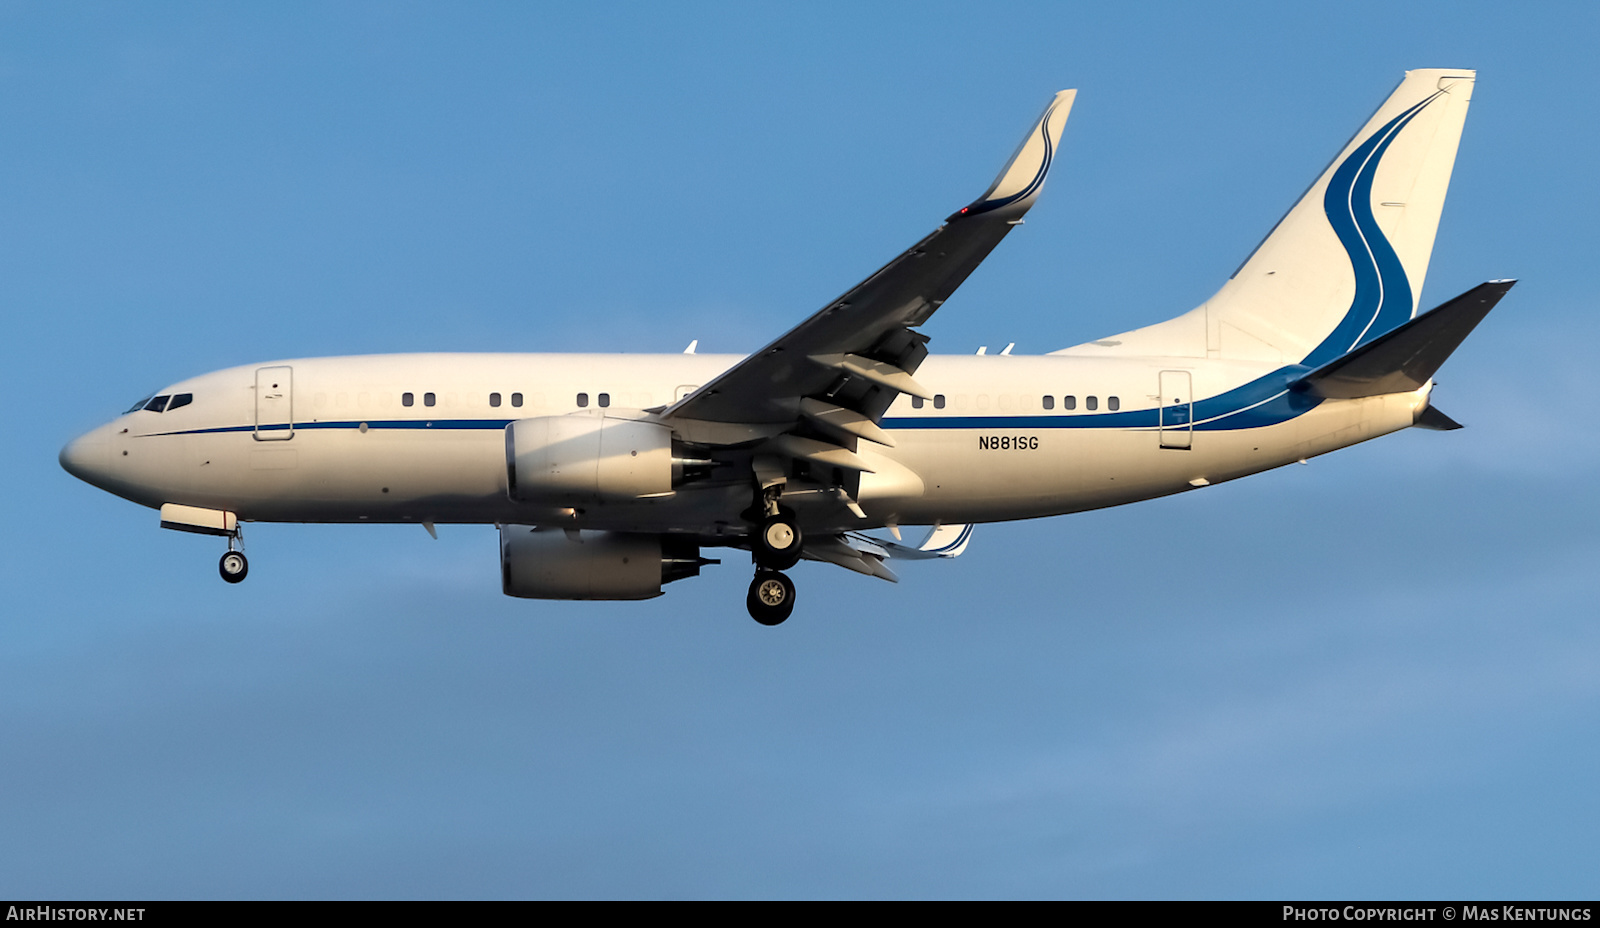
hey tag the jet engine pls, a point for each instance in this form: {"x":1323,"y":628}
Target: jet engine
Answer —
{"x":554,"y":563}
{"x":573,"y":460}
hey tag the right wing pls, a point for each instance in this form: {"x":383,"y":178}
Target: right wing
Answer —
{"x":840,"y":369}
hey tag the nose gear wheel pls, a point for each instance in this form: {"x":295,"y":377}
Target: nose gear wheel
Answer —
{"x":233,"y":566}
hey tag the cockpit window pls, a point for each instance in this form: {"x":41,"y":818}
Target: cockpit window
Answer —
{"x":182,"y":399}
{"x":139,"y":405}
{"x":157,"y":403}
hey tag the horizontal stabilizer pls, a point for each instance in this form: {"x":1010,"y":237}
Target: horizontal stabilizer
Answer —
{"x":1431,"y":418}
{"x":1403,"y":360}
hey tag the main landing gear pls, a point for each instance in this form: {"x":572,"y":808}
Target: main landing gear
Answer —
{"x":775,"y":543}
{"x":771,"y":597}
{"x":234,"y":567}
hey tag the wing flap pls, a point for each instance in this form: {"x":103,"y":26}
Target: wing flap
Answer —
{"x":838,"y":550}
{"x":881,"y":373}
{"x":844,"y":422}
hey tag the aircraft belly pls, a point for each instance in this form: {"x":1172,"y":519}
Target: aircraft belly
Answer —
{"x":345,"y":475}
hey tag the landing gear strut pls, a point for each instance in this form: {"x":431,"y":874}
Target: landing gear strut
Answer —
{"x":775,"y":539}
{"x":233,"y":567}
{"x":775,"y":544}
{"x":771,"y":597}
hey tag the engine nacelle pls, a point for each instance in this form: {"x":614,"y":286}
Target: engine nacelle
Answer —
{"x":571,"y":460}
{"x":553,"y":563}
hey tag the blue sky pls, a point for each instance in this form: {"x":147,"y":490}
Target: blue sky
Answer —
{"x":1376,"y":675}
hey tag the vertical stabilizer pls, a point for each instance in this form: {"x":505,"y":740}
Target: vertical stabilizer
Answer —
{"x":1347,"y":262}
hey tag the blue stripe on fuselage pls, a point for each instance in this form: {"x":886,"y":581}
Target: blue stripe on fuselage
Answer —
{"x":438,"y":424}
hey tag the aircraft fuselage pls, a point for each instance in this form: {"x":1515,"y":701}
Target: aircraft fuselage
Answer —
{"x":346,"y":448}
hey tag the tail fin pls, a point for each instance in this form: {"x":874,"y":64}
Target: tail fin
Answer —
{"x":1346,"y":264}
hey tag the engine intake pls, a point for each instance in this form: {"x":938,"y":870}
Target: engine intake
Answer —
{"x":553,"y":563}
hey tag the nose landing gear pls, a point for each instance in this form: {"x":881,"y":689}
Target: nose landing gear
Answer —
{"x":234,"y":567}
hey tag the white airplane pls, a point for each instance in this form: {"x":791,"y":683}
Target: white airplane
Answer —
{"x":609,"y":475}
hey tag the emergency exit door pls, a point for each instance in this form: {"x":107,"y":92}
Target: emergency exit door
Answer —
{"x":274,"y":403}
{"x":1177,"y":410}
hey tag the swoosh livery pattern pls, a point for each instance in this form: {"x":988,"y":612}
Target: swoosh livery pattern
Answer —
{"x":1032,"y":186}
{"x":955,"y":547}
{"x":1383,"y":297}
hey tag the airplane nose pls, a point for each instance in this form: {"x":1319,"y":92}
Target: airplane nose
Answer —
{"x":86,"y":457}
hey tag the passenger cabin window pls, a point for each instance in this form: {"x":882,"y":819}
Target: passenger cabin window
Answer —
{"x":494,"y":399}
{"x":583,"y":400}
{"x":1069,"y":402}
{"x":1113,"y":403}
{"x":1049,"y":402}
{"x":938,"y":401}
{"x":916,"y":402}
{"x":427,"y":399}
{"x":1091,"y":402}
{"x":408,"y":399}
{"x":605,"y":400}
{"x":516,"y":399}
{"x":157,"y":403}
{"x":182,"y":399}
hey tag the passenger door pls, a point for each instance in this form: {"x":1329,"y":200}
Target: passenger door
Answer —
{"x":1177,"y":410}
{"x":274,"y":403}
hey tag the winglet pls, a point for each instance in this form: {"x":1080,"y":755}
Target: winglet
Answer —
{"x":943,"y":541}
{"x":1023,"y":176}
{"x":947,"y":540}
